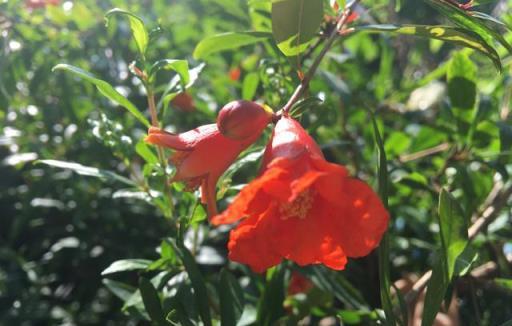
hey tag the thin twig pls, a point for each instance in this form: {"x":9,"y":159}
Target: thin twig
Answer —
{"x":303,"y":86}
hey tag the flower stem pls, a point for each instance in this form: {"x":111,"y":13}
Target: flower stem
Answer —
{"x":342,"y":20}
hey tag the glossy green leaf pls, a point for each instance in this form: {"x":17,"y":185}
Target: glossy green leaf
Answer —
{"x":464,"y":19}
{"x":231,"y":299}
{"x":125,"y":265}
{"x":88,"y":171}
{"x":295,"y":23}
{"x":139,"y":32}
{"x":197,"y":280}
{"x":146,"y":152}
{"x":455,"y":35}
{"x":454,"y":230}
{"x":151,"y":301}
{"x":105,"y":89}
{"x":179,"y":66}
{"x":227,"y":41}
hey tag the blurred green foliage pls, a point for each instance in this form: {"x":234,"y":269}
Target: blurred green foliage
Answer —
{"x":443,"y":112}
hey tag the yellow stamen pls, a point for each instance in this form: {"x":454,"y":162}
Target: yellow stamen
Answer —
{"x":299,"y":207}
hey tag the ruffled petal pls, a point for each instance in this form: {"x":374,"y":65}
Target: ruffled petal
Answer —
{"x":250,"y":200}
{"x":251,"y":242}
{"x":308,"y":240}
{"x":363,"y":220}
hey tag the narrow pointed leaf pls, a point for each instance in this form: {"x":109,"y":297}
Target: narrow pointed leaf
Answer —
{"x":106,"y":90}
{"x":454,"y":35}
{"x":454,"y":231}
{"x":231,"y":299}
{"x":197,"y":280}
{"x":88,"y":171}
{"x":228,"y":41}
{"x":151,"y":302}
{"x":139,"y":32}
{"x":383,"y":251}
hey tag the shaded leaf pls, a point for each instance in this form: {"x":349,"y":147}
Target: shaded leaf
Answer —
{"x":151,"y":301}
{"x":197,"y":280}
{"x":295,"y":23}
{"x":270,"y":306}
{"x":454,"y":232}
{"x":436,"y":289}
{"x":231,"y":299}
{"x":383,"y":251}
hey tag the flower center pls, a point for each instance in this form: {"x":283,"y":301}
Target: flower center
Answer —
{"x":299,"y":207}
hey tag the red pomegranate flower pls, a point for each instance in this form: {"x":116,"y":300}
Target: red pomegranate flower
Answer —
{"x":302,"y":208}
{"x":203,"y":154}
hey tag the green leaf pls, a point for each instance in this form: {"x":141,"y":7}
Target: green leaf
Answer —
{"x":231,"y":299}
{"x":270,"y":306}
{"x":461,"y":76}
{"x":457,"y":36}
{"x":146,"y":152}
{"x":295,"y":23}
{"x":106,"y":90}
{"x":505,"y":283}
{"x":436,"y":289}
{"x":454,"y":231}
{"x":151,"y":301}
{"x":197,"y":280}
{"x":250,"y":85}
{"x":88,"y":171}
{"x":179,"y":66}
{"x":139,"y":32}
{"x":463,"y":19}
{"x":335,"y":283}
{"x":383,"y":251}
{"x":227,"y":41}
{"x":121,"y":290}
{"x":125,"y":265}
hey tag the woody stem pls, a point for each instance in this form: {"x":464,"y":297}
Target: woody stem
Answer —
{"x":342,"y":20}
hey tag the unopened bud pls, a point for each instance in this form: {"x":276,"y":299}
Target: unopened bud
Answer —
{"x":241,"y":120}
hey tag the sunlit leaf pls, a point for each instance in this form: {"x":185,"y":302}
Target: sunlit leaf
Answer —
{"x":179,"y":66}
{"x":227,"y":41}
{"x":88,"y":171}
{"x":139,"y":32}
{"x":106,"y":89}
{"x":126,"y":265}
{"x":455,"y":35}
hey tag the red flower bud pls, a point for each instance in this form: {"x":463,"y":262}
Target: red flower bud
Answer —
{"x":240,"y":120}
